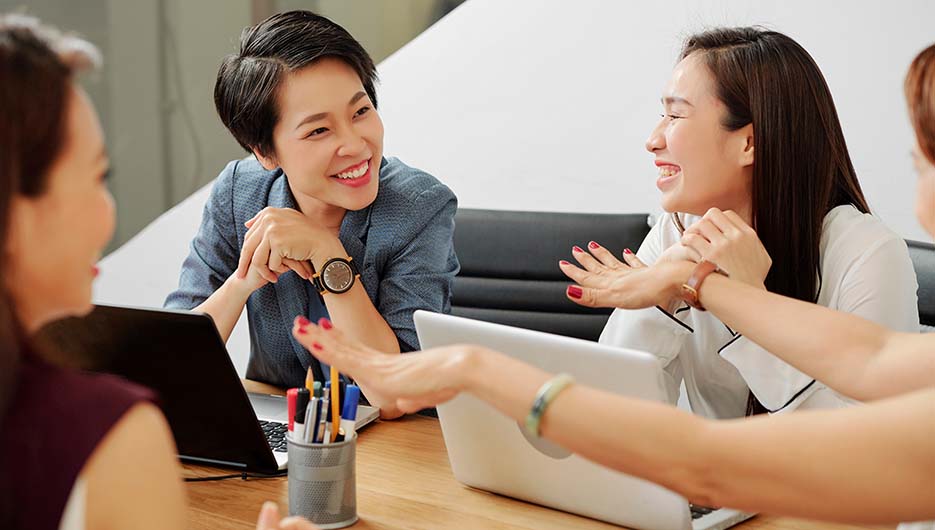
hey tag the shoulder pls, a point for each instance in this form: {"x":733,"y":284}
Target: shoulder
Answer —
{"x":404,"y":186}
{"x":133,"y":476}
{"x":244,"y":182}
{"x":848,"y":234}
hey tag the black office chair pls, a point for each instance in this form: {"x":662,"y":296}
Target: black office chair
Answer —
{"x":923,"y":260}
{"x":509,"y":266}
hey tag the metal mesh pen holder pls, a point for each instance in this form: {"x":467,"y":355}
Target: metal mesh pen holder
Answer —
{"x":323,"y":482}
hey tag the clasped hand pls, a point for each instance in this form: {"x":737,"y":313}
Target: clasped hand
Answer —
{"x":279,"y":240}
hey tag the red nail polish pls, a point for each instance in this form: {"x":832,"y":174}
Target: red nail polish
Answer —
{"x":302,"y":331}
{"x":563,"y":262}
{"x":593,"y":245}
{"x":317,"y":346}
{"x":574,"y":291}
{"x":576,"y":248}
{"x":303,"y":321}
{"x":627,"y":251}
{"x":325,"y":323}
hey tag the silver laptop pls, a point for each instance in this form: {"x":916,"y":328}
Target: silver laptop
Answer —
{"x":489,"y":451}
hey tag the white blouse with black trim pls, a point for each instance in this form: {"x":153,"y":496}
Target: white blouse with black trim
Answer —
{"x":865,"y":270}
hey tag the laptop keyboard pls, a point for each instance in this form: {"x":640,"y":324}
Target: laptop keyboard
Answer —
{"x":275,"y":435}
{"x":700,"y":511}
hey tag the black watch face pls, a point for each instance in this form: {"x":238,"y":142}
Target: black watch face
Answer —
{"x":338,"y":276}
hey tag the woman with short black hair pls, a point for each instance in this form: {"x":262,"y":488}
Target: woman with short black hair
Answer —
{"x":319,"y":223}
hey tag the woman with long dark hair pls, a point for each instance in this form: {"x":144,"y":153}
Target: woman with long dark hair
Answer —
{"x":750,"y":127}
{"x":869,"y":464}
{"x":76,"y":450}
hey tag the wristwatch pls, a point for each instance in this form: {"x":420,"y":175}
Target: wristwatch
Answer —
{"x":689,"y":290}
{"x":336,"y":276}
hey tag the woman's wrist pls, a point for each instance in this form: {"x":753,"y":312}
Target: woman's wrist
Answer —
{"x":466,"y":371}
{"x":676,"y":274}
{"x":236,"y":290}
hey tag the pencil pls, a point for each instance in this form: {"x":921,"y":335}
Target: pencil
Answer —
{"x":310,"y":380}
{"x":335,"y":402}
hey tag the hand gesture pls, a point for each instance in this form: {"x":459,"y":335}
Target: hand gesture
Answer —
{"x":413,"y":381}
{"x":730,"y":243}
{"x":605,"y":281}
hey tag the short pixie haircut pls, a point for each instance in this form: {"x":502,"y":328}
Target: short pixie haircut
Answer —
{"x":248,"y":81}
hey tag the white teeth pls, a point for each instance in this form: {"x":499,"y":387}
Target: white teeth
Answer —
{"x":356,"y":174}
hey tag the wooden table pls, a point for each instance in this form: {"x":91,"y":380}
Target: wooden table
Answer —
{"x":404,"y":481}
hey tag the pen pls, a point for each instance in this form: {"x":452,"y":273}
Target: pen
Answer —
{"x":349,"y":414}
{"x":310,"y":420}
{"x":335,"y":402}
{"x":323,"y":420}
{"x":310,"y":379}
{"x":301,"y":406}
{"x":290,"y":406}
{"x":316,"y":389}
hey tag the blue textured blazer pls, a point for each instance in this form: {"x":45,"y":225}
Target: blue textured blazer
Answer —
{"x":402,"y":244}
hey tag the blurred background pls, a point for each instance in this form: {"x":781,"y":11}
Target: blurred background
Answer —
{"x":155,"y":93}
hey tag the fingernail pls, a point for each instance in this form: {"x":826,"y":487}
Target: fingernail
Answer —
{"x":574,"y":291}
{"x":593,"y":245}
{"x":563,"y":262}
{"x":317,"y":346}
{"x":627,"y":251}
{"x":303,"y":321}
{"x":325,"y":323}
{"x":576,"y":248}
{"x":302,"y":331}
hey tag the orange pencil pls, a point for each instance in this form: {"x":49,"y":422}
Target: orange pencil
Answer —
{"x":335,"y":402}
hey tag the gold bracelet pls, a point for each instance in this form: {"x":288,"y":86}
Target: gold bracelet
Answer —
{"x":547,"y":393}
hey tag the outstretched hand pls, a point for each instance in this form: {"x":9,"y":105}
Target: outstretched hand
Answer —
{"x":413,"y":381}
{"x":604,"y":281}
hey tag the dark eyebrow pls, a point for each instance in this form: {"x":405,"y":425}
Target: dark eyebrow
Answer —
{"x":323,"y":115}
{"x":670,"y":100}
{"x":357,"y":97}
{"x":313,"y":117}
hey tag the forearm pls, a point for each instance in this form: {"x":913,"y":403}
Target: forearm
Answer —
{"x":638,"y":437}
{"x":809,"y":464}
{"x":225,"y":306}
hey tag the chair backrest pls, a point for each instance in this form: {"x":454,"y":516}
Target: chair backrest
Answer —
{"x":509,"y":266}
{"x":923,"y":260}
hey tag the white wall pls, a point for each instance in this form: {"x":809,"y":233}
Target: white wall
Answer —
{"x":546,"y":104}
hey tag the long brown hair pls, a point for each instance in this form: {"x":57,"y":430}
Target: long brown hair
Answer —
{"x":802,"y":169}
{"x":920,"y":96}
{"x":37,"y":65}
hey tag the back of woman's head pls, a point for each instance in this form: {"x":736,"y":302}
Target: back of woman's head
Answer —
{"x":920,"y":96}
{"x":37,"y":64}
{"x":802,"y":168}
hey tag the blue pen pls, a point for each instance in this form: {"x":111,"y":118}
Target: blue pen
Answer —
{"x":349,"y":414}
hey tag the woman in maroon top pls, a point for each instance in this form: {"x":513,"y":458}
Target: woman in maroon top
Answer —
{"x":89,"y":446}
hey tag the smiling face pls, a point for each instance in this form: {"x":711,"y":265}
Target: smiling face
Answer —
{"x":56,"y":238}
{"x":328,"y":139}
{"x":701,"y":165}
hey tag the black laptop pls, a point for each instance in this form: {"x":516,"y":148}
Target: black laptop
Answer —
{"x":180,"y":355}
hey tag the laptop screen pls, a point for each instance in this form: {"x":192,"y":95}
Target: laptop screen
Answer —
{"x":182,"y":358}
